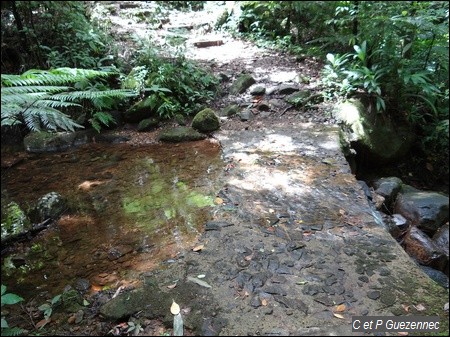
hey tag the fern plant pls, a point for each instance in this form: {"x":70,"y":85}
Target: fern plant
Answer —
{"x":41,"y":99}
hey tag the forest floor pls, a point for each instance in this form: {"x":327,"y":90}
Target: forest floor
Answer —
{"x":292,"y":247}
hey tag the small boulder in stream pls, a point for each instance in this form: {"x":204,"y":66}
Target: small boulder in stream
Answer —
{"x":206,"y":121}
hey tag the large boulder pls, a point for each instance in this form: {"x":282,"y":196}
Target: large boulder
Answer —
{"x":371,"y":135}
{"x":206,"y":121}
{"x":426,"y":210}
{"x":41,"y":142}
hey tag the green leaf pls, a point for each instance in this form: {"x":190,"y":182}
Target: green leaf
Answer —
{"x":11,"y":299}
{"x":4,"y":323}
{"x":44,"y":307}
{"x":56,"y":299}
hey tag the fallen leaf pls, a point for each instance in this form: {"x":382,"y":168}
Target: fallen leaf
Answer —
{"x":198,"y":248}
{"x":42,"y":323}
{"x":86,"y":185}
{"x":174,"y":308}
{"x":96,"y":288}
{"x":340,"y":308}
{"x":405,"y":307}
{"x":171,"y":286}
{"x":218,"y":201}
{"x":199,"y":282}
{"x":264,"y":302}
{"x":338,"y":316}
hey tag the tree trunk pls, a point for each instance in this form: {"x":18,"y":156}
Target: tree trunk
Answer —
{"x":355,"y":22}
{"x":19,"y":24}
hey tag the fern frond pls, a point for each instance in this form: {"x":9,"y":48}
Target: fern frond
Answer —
{"x":58,"y":76}
{"x":20,"y":99}
{"x":91,"y":95}
{"x":39,"y":118}
{"x":41,"y":80}
{"x":10,"y":115}
{"x":36,"y":97}
{"x":55,"y":104}
{"x":33,"y":88}
{"x":15,"y":331}
{"x":99,"y":118}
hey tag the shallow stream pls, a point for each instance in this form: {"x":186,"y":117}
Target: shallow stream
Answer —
{"x":130,"y":208}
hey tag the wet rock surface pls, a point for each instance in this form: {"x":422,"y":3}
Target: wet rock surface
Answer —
{"x":303,"y":253}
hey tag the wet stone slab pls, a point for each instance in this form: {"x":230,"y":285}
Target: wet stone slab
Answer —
{"x":303,"y":245}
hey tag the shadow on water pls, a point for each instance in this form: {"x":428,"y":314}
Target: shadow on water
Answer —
{"x":129,"y":209}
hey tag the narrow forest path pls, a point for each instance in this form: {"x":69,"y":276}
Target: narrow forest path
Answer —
{"x":293,"y":248}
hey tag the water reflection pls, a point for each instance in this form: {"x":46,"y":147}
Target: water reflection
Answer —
{"x":129,"y":208}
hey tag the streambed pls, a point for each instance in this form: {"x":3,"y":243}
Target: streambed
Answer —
{"x":129,"y":208}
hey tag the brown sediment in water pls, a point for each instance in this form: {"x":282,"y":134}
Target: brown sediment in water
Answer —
{"x":129,"y":208}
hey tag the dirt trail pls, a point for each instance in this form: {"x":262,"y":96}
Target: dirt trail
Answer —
{"x":293,"y":248}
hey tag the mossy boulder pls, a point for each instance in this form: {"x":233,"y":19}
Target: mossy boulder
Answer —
{"x":140,"y":110}
{"x":180,"y":134}
{"x":206,"y":121}
{"x":180,"y":119}
{"x":230,"y":110}
{"x":241,"y":84}
{"x":41,"y":142}
{"x":14,"y":220}
{"x":371,"y":135}
{"x":148,"y":124}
